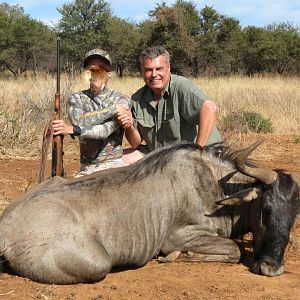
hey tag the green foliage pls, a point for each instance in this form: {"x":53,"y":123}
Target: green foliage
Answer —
{"x":219,"y":44}
{"x":229,"y":39}
{"x":83,"y":26}
{"x":201,"y":43}
{"x":24,"y":42}
{"x":283,"y":47}
{"x":175,"y":28}
{"x":297,"y":140}
{"x":253,"y":50}
{"x":124,"y":51}
{"x":247,"y":122}
{"x":275,"y":48}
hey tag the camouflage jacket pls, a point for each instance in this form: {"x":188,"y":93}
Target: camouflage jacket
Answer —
{"x":101,"y":136}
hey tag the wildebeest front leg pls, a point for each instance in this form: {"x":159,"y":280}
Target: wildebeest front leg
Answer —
{"x":203,"y":247}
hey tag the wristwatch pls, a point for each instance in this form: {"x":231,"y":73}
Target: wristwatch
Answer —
{"x":76,"y":130}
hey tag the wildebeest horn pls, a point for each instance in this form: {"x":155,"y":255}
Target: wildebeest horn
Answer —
{"x":243,"y":196}
{"x":264,"y":175}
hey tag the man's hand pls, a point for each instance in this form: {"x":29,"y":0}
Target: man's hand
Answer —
{"x":60,"y":127}
{"x":124,"y":116}
{"x":125,"y":119}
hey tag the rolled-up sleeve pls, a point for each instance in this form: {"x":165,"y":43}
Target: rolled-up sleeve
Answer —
{"x":192,"y":101}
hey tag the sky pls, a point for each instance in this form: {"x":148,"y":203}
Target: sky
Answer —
{"x":249,"y":12}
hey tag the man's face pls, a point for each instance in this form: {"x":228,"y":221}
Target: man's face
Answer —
{"x":156,"y":73}
{"x":98,"y":75}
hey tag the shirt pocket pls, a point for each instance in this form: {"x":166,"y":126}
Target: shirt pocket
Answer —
{"x":169,"y":132}
{"x":147,"y":122}
{"x":146,"y":129}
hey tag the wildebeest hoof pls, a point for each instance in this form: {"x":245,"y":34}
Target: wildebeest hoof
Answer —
{"x":189,"y":254}
{"x":271,"y":270}
{"x":169,"y":258}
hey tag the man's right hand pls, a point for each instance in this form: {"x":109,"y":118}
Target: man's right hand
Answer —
{"x":125,"y":119}
{"x":61,"y":128}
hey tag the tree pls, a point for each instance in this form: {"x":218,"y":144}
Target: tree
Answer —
{"x":274,"y":48}
{"x":173,"y":28}
{"x":283,"y":47}
{"x":7,"y":50}
{"x":22,"y":39}
{"x":191,"y":16}
{"x":200,"y":42}
{"x":229,"y":41}
{"x":123,"y":40}
{"x":208,"y":52}
{"x":253,"y":50}
{"x":83,"y":26}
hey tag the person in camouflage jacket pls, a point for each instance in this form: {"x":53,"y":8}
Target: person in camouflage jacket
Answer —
{"x":92,"y":114}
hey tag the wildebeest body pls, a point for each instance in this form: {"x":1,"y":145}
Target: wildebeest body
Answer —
{"x":68,"y":231}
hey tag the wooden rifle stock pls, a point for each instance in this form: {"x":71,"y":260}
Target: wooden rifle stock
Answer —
{"x":57,"y":143}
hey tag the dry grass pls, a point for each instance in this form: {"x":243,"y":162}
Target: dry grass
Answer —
{"x":294,"y":242}
{"x":26,"y":104}
{"x":3,"y":204}
{"x":277,"y":99}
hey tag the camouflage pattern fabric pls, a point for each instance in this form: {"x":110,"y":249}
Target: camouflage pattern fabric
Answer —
{"x":87,"y":169}
{"x":96,"y":52}
{"x":101,"y":136}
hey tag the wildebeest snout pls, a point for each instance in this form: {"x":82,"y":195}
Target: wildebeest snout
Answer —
{"x":267,"y":267}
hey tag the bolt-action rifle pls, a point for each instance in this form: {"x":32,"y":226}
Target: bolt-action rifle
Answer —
{"x":57,"y":142}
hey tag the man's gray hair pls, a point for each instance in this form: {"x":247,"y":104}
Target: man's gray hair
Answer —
{"x":154,"y":52}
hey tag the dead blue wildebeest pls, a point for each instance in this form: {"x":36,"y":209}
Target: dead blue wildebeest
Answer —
{"x":177,"y":200}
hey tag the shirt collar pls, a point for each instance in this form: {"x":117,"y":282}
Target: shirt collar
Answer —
{"x":167,"y":88}
{"x":150,"y":95}
{"x":101,"y":94}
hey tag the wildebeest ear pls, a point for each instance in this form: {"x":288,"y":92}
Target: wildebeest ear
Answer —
{"x":246,"y":195}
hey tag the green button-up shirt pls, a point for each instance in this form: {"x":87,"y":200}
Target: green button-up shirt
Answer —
{"x":176,"y":116}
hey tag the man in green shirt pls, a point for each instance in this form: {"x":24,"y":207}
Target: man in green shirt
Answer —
{"x":169,"y":108}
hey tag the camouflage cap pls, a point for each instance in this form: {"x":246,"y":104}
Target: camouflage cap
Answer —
{"x":97,"y":52}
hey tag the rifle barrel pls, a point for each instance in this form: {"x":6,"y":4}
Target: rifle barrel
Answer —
{"x":57,"y":144}
{"x":58,"y":65}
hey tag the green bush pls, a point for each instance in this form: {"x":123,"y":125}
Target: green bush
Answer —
{"x":247,"y":121}
{"x":297,"y":140}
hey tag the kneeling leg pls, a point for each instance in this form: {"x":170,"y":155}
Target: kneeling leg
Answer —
{"x":197,"y":245}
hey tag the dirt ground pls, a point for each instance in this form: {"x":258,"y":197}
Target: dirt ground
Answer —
{"x":174,"y":281}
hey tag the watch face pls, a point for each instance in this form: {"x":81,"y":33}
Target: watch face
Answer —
{"x":77,"y":130}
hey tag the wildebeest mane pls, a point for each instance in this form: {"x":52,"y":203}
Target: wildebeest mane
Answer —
{"x":151,"y":163}
{"x":156,"y":160}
